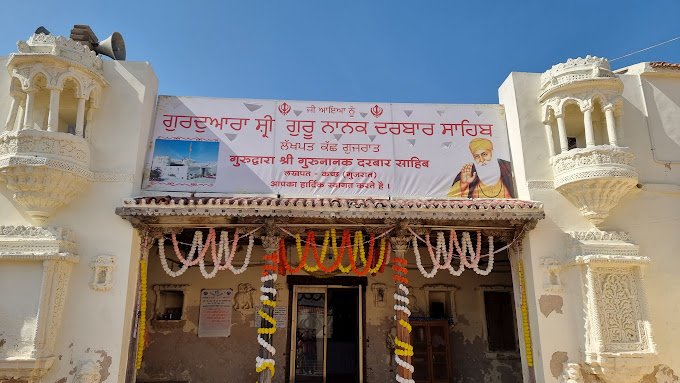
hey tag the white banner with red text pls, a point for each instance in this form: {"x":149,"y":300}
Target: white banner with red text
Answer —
{"x":319,"y":148}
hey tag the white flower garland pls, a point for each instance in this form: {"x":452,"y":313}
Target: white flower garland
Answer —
{"x":246,"y":260}
{"x":217,"y":256}
{"x":489,"y":265}
{"x":419,"y":262}
{"x":467,"y":248}
{"x":164,"y":262}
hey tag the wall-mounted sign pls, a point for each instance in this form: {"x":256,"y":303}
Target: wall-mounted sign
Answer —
{"x":214,"y":317}
{"x":296,"y":148}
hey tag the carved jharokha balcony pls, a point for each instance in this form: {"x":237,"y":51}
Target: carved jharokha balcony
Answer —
{"x":594,"y":179}
{"x":43,"y":170}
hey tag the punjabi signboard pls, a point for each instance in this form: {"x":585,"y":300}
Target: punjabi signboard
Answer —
{"x":310,"y":148}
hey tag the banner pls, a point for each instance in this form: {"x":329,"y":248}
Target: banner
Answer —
{"x":314,"y":148}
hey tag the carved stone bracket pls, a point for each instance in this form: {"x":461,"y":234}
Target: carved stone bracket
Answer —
{"x":595,"y":179}
{"x":43,"y":170}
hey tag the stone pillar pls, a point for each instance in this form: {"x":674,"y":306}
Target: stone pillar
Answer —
{"x":549,"y":135}
{"x":399,"y":245}
{"x":53,"y":118}
{"x":28,"y":109}
{"x":562,"y":130}
{"x":611,"y":125}
{"x":11,"y":117}
{"x":588,"y":124}
{"x":80,"y":117}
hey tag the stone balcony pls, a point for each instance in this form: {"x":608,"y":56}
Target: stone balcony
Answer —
{"x":43,"y":170}
{"x":594,"y":179}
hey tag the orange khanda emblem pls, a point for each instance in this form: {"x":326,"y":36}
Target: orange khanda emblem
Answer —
{"x":284,"y":108}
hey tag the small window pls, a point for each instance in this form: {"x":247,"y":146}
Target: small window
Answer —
{"x":500,"y":321}
{"x":440,"y":304}
{"x":571,"y":143}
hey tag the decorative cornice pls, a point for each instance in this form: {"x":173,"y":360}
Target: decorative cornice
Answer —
{"x":30,"y":243}
{"x":599,"y":235}
{"x":578,"y":74}
{"x":63,"y":48}
{"x":605,"y":248}
{"x":433,"y":209}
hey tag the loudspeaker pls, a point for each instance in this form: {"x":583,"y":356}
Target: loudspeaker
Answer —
{"x":113,"y":46}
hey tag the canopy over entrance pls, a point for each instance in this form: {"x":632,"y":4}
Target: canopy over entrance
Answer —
{"x":506,"y":219}
{"x":205,"y":211}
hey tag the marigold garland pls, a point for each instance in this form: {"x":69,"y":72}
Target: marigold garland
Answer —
{"x":401,"y":305}
{"x":267,"y":297}
{"x":525,"y":314}
{"x":141,"y":328}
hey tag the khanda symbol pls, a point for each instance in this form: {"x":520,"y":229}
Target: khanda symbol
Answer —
{"x":376,"y":111}
{"x":284,"y":108}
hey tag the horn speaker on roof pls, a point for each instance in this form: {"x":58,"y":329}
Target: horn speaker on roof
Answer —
{"x":113,"y":46}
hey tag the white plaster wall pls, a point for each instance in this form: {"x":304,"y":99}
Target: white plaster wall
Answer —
{"x":650,"y":216}
{"x":96,"y":325}
{"x":19,"y":299}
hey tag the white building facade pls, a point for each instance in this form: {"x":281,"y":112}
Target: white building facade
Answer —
{"x":581,"y":291}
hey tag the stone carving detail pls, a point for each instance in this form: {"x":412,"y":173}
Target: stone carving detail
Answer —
{"x":594,"y":179}
{"x":597,"y":155}
{"x":577,"y":73}
{"x":102,"y":272}
{"x":62,"y":47}
{"x":598,"y":235}
{"x":618,"y":342}
{"x":43,"y":170}
{"x":619,"y":310}
{"x":243,"y":299}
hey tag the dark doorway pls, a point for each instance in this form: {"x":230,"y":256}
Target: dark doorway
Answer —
{"x":326,"y":334}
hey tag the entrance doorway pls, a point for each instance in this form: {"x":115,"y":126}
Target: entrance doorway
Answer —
{"x":326,"y":334}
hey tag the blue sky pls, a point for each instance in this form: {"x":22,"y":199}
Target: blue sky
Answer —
{"x":395,"y":51}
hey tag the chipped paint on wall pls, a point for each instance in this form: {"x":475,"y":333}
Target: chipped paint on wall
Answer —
{"x":557,"y":361}
{"x":661,"y":374}
{"x":550,"y":303}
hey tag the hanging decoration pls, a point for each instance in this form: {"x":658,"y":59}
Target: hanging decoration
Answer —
{"x":525,"y":313}
{"x":218,"y":252}
{"x":442,"y":258}
{"x":360,"y":263}
{"x":403,"y":348}
{"x":268,"y":299}
{"x":141,"y":328}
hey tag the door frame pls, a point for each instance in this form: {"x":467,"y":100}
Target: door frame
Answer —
{"x":295,"y":281}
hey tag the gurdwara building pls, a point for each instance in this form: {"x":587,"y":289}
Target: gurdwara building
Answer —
{"x":533,"y":240}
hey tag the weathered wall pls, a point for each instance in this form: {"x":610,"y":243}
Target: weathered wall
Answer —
{"x":95,"y":324}
{"x":649,"y":214}
{"x":182,"y":355}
